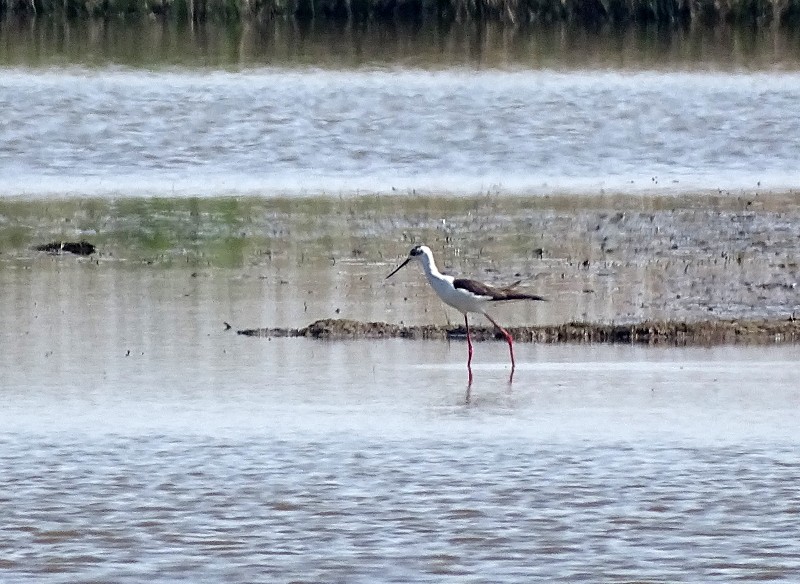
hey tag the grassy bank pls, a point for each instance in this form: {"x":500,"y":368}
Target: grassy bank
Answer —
{"x":585,"y":12}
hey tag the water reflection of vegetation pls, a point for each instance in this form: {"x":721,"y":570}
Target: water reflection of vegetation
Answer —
{"x":146,"y":43}
{"x":512,"y":11}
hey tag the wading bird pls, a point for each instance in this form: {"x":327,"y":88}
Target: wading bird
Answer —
{"x":466,"y":296}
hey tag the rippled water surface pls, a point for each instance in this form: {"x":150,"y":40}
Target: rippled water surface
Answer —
{"x":140,"y":440}
{"x":143,"y":440}
{"x":128,"y":108}
{"x":309,"y":131}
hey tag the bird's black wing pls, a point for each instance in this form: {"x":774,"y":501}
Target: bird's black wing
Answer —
{"x":475,"y":287}
{"x":492,"y":293}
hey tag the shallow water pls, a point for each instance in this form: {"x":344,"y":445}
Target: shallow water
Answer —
{"x":141,"y":440}
{"x":287,"y":262}
{"x":121,"y":108}
{"x":424,"y":510}
{"x":304,"y":131}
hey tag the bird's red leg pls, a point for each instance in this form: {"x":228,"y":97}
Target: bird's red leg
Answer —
{"x":469,"y":349}
{"x":509,"y":340}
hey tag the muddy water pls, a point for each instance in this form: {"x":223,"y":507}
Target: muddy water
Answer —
{"x":140,"y":440}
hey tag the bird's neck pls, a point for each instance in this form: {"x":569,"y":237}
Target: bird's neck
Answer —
{"x":431,"y":271}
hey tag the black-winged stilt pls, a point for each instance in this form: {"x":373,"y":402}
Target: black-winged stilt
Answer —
{"x":466,"y":296}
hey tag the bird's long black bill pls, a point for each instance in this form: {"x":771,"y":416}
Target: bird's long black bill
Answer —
{"x":397,"y":269}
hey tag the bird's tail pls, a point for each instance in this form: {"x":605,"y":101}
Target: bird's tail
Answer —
{"x":513,"y":295}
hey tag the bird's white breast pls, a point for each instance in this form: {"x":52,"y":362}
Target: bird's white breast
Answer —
{"x":461,"y":300}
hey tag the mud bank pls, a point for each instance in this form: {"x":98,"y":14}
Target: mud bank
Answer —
{"x":712,"y":332}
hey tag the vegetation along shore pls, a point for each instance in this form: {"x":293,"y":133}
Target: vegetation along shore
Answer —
{"x":585,"y":12}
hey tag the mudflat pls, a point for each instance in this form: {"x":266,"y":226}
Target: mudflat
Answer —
{"x":708,"y":332}
{"x":657,"y":268}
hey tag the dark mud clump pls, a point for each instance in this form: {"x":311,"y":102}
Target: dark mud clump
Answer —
{"x":342,"y":329}
{"x":83,"y":248}
{"x":712,"y":332}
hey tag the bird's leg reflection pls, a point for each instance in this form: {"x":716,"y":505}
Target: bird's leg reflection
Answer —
{"x":469,"y":362}
{"x":469,"y":350}
{"x":469,"y":355}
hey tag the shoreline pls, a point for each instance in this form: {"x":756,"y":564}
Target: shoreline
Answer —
{"x":675,"y":333}
{"x":158,"y":43}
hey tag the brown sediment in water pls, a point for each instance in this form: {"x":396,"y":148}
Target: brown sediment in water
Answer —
{"x":711,"y":332}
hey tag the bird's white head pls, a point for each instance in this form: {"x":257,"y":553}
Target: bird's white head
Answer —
{"x":421,"y":253}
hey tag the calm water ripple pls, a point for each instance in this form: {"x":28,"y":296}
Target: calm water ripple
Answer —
{"x":129,"y":508}
{"x":306,"y":130}
{"x":140,"y":442}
